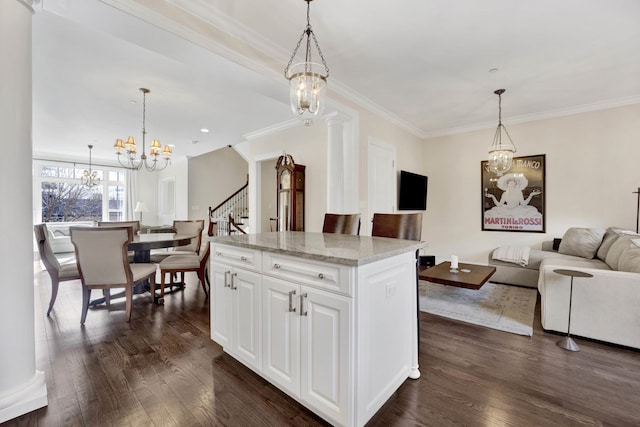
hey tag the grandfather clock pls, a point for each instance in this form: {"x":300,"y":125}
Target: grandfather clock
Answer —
{"x":290,"y":188}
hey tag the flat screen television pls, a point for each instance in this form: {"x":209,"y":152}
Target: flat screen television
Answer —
{"x":413,"y":192}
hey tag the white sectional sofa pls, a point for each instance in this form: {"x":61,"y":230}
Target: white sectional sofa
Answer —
{"x":604,"y":307}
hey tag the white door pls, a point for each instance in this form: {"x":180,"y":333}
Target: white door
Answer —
{"x":281,"y":334}
{"x":381,"y":175}
{"x":325,"y":352}
{"x":246,"y":289}
{"x":221,"y":305}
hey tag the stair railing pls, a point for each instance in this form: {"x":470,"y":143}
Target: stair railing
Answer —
{"x":222,"y":216}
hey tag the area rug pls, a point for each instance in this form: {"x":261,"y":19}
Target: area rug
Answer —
{"x":503,"y":307}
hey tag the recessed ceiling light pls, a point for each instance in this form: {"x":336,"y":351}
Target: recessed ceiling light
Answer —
{"x":171,"y":145}
{"x":493,"y":70}
{"x":204,"y":130}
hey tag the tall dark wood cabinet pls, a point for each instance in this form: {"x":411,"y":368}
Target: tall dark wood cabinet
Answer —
{"x":290,"y":188}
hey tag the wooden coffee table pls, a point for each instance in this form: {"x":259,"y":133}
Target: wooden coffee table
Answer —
{"x":470,"y":276}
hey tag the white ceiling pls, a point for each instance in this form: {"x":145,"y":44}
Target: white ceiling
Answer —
{"x":423,"y":63}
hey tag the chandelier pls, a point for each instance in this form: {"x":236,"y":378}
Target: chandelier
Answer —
{"x":307,"y":80}
{"x":501,"y":153}
{"x":129,"y":151}
{"x":90,"y":177}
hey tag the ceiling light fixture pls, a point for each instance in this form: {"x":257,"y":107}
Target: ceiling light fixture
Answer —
{"x":90,"y":178}
{"x":307,"y":80}
{"x":501,"y":153}
{"x":130,"y":151}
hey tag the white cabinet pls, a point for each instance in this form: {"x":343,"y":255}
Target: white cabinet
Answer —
{"x":236,"y":311}
{"x":339,"y":338}
{"x":306,"y":352}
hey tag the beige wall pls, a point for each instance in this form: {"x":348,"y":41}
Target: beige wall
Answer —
{"x":408,"y":155}
{"x":268,"y":195}
{"x":591,"y":172}
{"x":213,"y":177}
{"x":308,"y":146}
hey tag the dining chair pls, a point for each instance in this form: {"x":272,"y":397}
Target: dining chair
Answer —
{"x":185,"y":263}
{"x":341,"y":223}
{"x":134,"y":224}
{"x":101,"y":255}
{"x":193,"y":227}
{"x":60,"y":269}
{"x":406,"y":226}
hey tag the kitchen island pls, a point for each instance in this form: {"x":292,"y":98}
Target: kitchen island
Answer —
{"x":329,"y":319}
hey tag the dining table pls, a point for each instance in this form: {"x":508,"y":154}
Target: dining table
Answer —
{"x":141,"y":245}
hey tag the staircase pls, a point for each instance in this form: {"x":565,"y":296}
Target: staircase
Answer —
{"x":230,"y":216}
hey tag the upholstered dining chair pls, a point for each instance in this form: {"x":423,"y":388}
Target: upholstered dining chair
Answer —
{"x":101,"y":255}
{"x":185,"y":263}
{"x":341,"y":223}
{"x":59,"y":269}
{"x":134,"y":224}
{"x":187,"y":227}
{"x":399,"y":226}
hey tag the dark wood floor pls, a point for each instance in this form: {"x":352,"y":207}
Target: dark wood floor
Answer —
{"x":162,"y":369}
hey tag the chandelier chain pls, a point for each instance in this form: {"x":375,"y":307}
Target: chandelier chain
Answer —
{"x":308,"y":31}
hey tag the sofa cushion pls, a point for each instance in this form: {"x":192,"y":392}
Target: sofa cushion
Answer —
{"x":610,"y":236}
{"x":582,"y":242}
{"x":617,"y":248}
{"x":630,"y":257}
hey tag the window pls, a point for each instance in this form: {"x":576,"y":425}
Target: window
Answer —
{"x":61,"y":197}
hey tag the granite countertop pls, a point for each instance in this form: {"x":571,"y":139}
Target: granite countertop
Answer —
{"x":336,"y":248}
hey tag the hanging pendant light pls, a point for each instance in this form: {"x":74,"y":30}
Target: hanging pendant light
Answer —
{"x":90,"y":178}
{"x":129,"y":150}
{"x":307,"y":80}
{"x":501,"y":152}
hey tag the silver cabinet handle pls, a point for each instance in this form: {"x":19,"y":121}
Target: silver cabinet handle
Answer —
{"x":233,"y":282}
{"x":226,"y":281}
{"x":303,"y":312}
{"x":292,"y":309}
{"x":320,"y":276}
{"x":276,"y":266}
{"x":218,"y":253}
{"x":243,"y":258}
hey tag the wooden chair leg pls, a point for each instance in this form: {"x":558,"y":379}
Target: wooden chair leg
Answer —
{"x":162,"y":283}
{"x":86,"y":297}
{"x":128,"y":292}
{"x":54,"y":294}
{"x":152,"y":284}
{"x":201,"y":277}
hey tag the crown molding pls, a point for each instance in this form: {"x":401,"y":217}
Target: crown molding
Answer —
{"x":550,"y":114}
{"x":278,"y":127}
{"x":371,"y":106}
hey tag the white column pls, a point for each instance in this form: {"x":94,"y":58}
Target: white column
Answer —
{"x":335,"y":163}
{"x":22,"y":387}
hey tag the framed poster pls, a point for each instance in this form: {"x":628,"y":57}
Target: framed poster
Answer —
{"x":515,"y":201}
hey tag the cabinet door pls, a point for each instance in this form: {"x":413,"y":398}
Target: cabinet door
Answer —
{"x":280,"y":333}
{"x":220,"y":304}
{"x":325,"y":379}
{"x":246,"y":291}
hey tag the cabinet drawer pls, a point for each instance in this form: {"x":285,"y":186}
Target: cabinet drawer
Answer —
{"x":326,"y":276}
{"x":248,"y":259}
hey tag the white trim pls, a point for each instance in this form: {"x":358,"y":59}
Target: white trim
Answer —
{"x":278,"y":127}
{"x":25,"y":398}
{"x":551,"y":114}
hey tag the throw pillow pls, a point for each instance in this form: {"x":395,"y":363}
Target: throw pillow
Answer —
{"x":615,"y":252}
{"x":630,"y":258}
{"x":609,"y":239}
{"x":582,"y":242}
